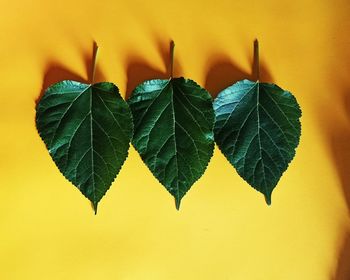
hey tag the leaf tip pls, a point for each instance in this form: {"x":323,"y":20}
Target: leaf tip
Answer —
{"x":94,"y":206}
{"x":268,"y":199}
{"x":177,"y":203}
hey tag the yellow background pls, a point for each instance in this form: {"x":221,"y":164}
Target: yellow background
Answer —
{"x":224,"y":229}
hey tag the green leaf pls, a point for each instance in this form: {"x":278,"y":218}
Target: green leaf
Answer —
{"x":173,"y":122}
{"x":258,"y":129}
{"x":87,"y":129}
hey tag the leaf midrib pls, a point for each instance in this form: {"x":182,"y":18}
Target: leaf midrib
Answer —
{"x":258,"y":132}
{"x":175,"y":145}
{"x":92,"y":152}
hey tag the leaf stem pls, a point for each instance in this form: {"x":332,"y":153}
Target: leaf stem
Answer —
{"x":94,"y":58}
{"x":172,"y":47}
{"x":256,"y":70}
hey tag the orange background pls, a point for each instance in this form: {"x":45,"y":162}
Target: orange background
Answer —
{"x":224,"y":229}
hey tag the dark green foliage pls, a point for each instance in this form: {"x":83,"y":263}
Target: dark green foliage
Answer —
{"x":258,"y":129}
{"x":87,"y":129}
{"x":173,"y":122}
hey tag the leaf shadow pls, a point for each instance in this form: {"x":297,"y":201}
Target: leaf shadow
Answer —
{"x":343,"y":268}
{"x":338,"y":137}
{"x":223,"y":72}
{"x":139,"y":70}
{"x":55,"y":72}
{"x":339,"y":141}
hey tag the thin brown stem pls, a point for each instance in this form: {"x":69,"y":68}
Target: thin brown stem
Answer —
{"x":94,"y":58}
{"x":172,"y":46}
{"x":256,"y":70}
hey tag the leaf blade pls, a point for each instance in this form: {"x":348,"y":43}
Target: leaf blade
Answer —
{"x":79,"y":125}
{"x":179,"y":153}
{"x":257,"y":129}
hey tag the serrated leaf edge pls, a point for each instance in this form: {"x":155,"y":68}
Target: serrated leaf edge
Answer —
{"x":94,"y":205}
{"x":178,"y":200}
{"x":267,"y":197}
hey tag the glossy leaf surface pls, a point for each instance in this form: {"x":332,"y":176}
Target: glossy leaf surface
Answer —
{"x":258,"y":129}
{"x":173,"y":122}
{"x":87,"y":130}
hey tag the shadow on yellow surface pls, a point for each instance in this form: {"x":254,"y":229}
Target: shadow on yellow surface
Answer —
{"x":343,"y":269}
{"x":338,"y":141}
{"x":139,"y":70}
{"x":222,"y":73}
{"x":335,"y":123}
{"x":56,"y":72}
